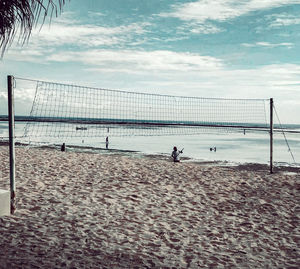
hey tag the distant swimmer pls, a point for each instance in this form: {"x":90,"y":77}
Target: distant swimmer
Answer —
{"x":175,"y":154}
{"x":213,"y":149}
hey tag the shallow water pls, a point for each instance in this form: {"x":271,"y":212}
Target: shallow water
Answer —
{"x":232,"y":147}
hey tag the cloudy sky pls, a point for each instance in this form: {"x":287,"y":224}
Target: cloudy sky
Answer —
{"x":204,"y":48}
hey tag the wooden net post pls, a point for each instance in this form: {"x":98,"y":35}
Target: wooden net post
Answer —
{"x":11,"y":119}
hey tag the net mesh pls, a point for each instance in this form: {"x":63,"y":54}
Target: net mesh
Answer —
{"x":61,"y":110}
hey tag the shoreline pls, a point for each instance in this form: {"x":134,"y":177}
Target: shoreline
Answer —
{"x":277,"y":166}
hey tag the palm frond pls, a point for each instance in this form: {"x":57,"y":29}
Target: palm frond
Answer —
{"x":23,"y":15}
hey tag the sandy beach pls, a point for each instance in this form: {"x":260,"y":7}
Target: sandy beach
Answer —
{"x":87,"y":210}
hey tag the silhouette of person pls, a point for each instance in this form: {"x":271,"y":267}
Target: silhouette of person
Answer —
{"x":63,"y":147}
{"x":106,"y":142}
{"x":175,"y":154}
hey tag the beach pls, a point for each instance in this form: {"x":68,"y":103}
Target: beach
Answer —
{"x":91,"y":210}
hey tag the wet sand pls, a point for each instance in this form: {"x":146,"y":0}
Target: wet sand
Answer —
{"x":87,"y":210}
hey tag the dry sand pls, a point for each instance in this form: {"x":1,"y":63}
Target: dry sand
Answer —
{"x":85,"y":210}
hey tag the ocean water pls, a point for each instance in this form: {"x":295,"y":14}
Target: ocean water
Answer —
{"x":252,"y":147}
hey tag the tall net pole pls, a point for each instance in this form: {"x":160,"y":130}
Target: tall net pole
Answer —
{"x":11,"y":118}
{"x":271,"y":135}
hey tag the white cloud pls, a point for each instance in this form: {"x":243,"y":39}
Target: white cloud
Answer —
{"x":269,"y":45}
{"x":207,"y":29}
{"x":201,"y":11}
{"x":71,"y":34}
{"x":66,"y":32}
{"x":282,"y":20}
{"x":68,"y":17}
{"x":135,"y":60}
{"x":87,"y":35}
{"x":95,"y":14}
{"x":283,"y":70}
{"x":32,"y":54}
{"x":199,"y":28}
{"x":221,"y":10}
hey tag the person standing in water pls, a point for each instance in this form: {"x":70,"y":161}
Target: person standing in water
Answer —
{"x":106,"y":142}
{"x":63,"y":147}
{"x":175,"y":154}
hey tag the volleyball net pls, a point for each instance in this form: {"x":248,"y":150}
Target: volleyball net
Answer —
{"x":61,"y":110}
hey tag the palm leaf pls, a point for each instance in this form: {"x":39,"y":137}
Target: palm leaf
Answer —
{"x":23,"y":15}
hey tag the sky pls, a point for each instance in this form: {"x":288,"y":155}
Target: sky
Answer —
{"x":203,"y":48}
